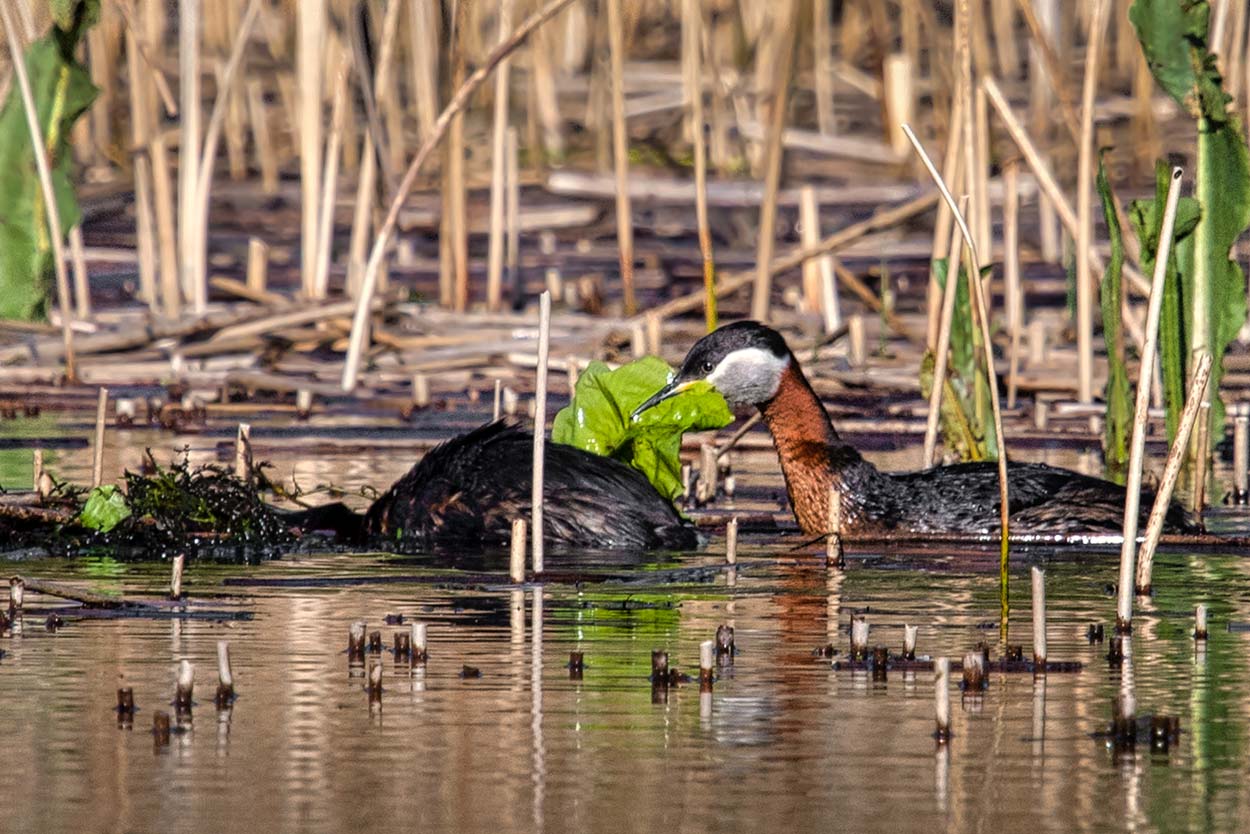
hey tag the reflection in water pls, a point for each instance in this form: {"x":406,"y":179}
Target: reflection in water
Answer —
{"x":784,"y":742}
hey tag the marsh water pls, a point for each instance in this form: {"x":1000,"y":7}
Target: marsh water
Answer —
{"x":785,"y":741}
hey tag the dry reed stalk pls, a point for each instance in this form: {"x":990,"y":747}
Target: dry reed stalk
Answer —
{"x":153,"y":73}
{"x":329,"y":181}
{"x":78,"y":263}
{"x":1237,"y":53}
{"x":454,"y":189}
{"x":97,"y":451}
{"x":258,"y":117}
{"x":236,"y":154}
{"x":512,"y":215}
{"x":257,"y":265}
{"x":967,"y":130}
{"x":1002,"y":19}
{"x":540,"y":429}
{"x":145,"y":231}
{"x":1200,"y":453}
{"x":778,"y":101}
{"x":99,"y":65}
{"x":819,"y":283}
{"x":204,"y":169}
{"x":423,"y":55}
{"x":189,"y":222}
{"x":694,"y":46}
{"x":981,"y":313}
{"x":366,"y":182}
{"x":495,"y":245}
{"x":822,"y":49}
{"x":1046,"y":181}
{"x":55,"y":237}
{"x":309,"y":59}
{"x":951,"y":172}
{"x":1124,"y":606}
{"x":899,"y":99}
{"x":458,"y":102}
{"x":1011,"y":274}
{"x":940,"y":352}
{"x":163,"y":194}
{"x":1054,"y":80}
{"x":1176,"y":458}
{"x":845,"y":236}
{"x":546,"y":102}
{"x":984,"y":239}
{"x":1085,"y":281}
{"x":620,"y":155}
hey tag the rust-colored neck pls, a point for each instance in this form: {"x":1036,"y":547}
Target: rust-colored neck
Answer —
{"x":813,"y":457}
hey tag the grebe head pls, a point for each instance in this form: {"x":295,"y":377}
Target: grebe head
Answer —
{"x":744,"y":361}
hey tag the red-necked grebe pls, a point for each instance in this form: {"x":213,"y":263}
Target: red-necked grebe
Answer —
{"x":751,"y":365}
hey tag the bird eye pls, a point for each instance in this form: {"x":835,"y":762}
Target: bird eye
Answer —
{"x":707,"y":367}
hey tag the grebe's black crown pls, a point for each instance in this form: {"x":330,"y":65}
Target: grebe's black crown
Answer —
{"x":708,"y":352}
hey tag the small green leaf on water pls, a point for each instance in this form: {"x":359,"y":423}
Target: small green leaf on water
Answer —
{"x":598,"y":418}
{"x":105,"y":509}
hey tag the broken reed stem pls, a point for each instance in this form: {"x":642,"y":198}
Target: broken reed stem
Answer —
{"x":982,"y":314}
{"x":516,"y":551}
{"x":693,"y":50}
{"x":731,"y":541}
{"x":360,"y":319}
{"x":55,"y":237}
{"x":78,"y":262}
{"x":1201,"y":453}
{"x":540,"y":427}
{"x":243,"y":453}
{"x":454,"y":186}
{"x":495,"y":250}
{"x":1132,"y":501}
{"x":1176,"y":458}
{"x":949,"y":293}
{"x":942,"y":698}
{"x":1038,"y":578}
{"x":97,"y":453}
{"x":778,"y":101}
{"x":176,"y":568}
{"x":620,"y":155}
{"x":1084,"y":208}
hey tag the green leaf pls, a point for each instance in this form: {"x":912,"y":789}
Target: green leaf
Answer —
{"x":1173,"y":36}
{"x":598,"y":418}
{"x":966,"y":413}
{"x":62,"y":91}
{"x":105,"y":508}
{"x":1119,"y":393}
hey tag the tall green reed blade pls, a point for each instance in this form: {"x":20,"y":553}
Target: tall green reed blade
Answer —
{"x":1119,"y":393}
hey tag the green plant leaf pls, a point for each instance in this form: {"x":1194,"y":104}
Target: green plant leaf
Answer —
{"x":598,"y":418}
{"x":105,"y":508}
{"x":966,"y":413}
{"x":1119,"y":393}
{"x":62,"y":91}
{"x":1173,"y":36}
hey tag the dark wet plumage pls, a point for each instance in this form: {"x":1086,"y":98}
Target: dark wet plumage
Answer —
{"x":468,"y":490}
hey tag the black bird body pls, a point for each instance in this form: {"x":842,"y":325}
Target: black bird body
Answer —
{"x":468,"y":490}
{"x":750,"y":364}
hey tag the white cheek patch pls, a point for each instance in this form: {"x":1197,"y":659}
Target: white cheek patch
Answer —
{"x":749,"y":376}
